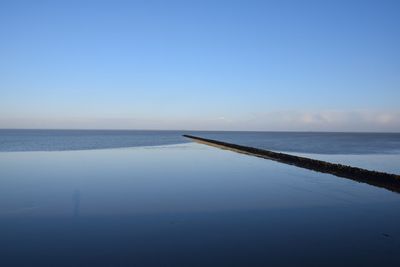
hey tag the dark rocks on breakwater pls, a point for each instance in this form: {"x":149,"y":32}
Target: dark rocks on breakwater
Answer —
{"x":381,"y":179}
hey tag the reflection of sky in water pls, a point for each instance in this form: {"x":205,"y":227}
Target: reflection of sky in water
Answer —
{"x":188,"y":205}
{"x":181,"y":178}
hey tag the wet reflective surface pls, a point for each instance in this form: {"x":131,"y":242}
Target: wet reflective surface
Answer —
{"x":379,"y":162}
{"x":187,"y":205}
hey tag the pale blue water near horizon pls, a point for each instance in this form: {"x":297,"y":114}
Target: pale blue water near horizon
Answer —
{"x":375,"y":151}
{"x":302,"y":142}
{"x":186,"y":204}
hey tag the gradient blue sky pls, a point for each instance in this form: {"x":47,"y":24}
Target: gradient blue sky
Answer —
{"x":213,"y":65}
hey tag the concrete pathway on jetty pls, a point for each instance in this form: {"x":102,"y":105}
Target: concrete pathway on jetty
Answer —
{"x":381,"y":179}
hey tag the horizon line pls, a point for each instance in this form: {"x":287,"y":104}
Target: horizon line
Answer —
{"x":189,"y":130}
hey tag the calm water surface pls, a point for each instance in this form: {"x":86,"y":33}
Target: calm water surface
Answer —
{"x":379,"y":162}
{"x":187,"y":205}
{"x":314,"y":142}
{"x":301,"y":142}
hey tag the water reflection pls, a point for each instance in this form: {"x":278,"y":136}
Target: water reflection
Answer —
{"x":228,"y":209}
{"x":182,"y":178}
{"x":77,"y":202}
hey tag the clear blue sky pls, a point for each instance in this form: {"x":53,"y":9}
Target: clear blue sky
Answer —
{"x":223,"y":65}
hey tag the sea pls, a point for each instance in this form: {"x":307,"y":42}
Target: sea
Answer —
{"x":301,"y":142}
{"x":155,"y":198}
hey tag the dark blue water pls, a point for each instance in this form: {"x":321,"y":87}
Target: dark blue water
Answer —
{"x":187,"y":205}
{"x":69,"y":201}
{"x":319,"y":143}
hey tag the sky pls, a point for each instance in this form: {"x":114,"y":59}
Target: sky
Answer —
{"x":201,"y":65}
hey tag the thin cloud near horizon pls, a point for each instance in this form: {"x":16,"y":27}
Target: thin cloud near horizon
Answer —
{"x":330,"y":120}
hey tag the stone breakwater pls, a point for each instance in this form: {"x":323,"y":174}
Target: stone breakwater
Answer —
{"x":381,"y":179}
